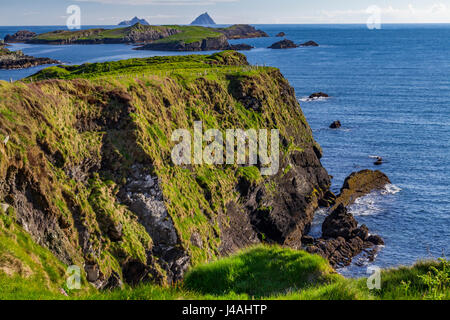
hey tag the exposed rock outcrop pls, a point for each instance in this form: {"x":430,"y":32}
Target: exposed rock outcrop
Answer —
{"x":284,"y":44}
{"x":280,"y":35}
{"x":359,"y":184}
{"x":143,"y":195}
{"x":342,"y":239}
{"x":242,"y":31}
{"x":309,"y":44}
{"x":18,"y":60}
{"x":209,"y":44}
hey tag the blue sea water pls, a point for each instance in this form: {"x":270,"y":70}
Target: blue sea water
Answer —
{"x":390,"y":88}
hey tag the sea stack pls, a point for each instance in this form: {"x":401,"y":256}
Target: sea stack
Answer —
{"x":203,"y":19}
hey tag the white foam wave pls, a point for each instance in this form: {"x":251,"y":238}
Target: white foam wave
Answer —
{"x":308,"y":99}
{"x":391,"y":189}
{"x":366,"y":206}
{"x":372,"y":203}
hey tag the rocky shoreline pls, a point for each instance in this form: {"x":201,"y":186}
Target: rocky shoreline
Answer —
{"x":210,"y":44}
{"x":18,"y":60}
{"x":341,"y":238}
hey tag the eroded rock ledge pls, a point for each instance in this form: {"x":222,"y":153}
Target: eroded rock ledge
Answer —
{"x":342,"y":239}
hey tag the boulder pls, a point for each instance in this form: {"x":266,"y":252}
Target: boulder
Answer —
{"x":309,"y":44}
{"x":280,"y":35}
{"x":336,"y":125}
{"x":379,"y":161}
{"x":318,"y":95}
{"x":284,"y":44}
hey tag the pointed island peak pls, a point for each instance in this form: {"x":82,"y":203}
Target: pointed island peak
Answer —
{"x":203,"y":19}
{"x":134,"y":21}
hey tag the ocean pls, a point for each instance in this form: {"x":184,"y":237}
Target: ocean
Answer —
{"x":390,"y":89}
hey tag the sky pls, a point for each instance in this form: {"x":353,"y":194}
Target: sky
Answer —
{"x":111,"y":12}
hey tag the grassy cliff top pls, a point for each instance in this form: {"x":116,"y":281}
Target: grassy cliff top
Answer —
{"x":97,"y":33}
{"x":189,"y":65}
{"x":190,"y":34}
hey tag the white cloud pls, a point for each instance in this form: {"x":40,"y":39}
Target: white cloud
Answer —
{"x":437,"y":12}
{"x":160,"y":2}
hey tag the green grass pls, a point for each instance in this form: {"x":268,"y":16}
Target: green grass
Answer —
{"x":187,"y":34}
{"x":262,"y":272}
{"x":190,"y":34}
{"x":189,"y":65}
{"x":96,"y":34}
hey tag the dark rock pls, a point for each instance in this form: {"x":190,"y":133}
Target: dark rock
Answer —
{"x":135,"y":272}
{"x":134,"y":21}
{"x":376,"y":240}
{"x":20,"y":36}
{"x":336,"y":125}
{"x":114,"y":282}
{"x":342,"y":239}
{"x":362,"y":232}
{"x":379,"y":161}
{"x":219,"y":43}
{"x":307,"y":240}
{"x":340,"y":223}
{"x":318,"y":95}
{"x":241,"y":47}
{"x":203,"y":19}
{"x":328,"y":199}
{"x":359,"y":184}
{"x":309,"y":44}
{"x":280,"y":35}
{"x":242,"y":31}
{"x":283,"y":44}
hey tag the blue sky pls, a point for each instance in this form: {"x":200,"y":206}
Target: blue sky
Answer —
{"x":107,"y":12}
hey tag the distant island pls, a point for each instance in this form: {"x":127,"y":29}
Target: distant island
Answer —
{"x":134,"y":21}
{"x":203,"y":19}
{"x":159,"y":38}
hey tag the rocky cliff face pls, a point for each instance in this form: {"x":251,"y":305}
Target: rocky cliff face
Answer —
{"x":88,"y":172}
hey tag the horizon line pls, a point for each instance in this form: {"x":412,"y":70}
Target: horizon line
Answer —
{"x":224,"y":24}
